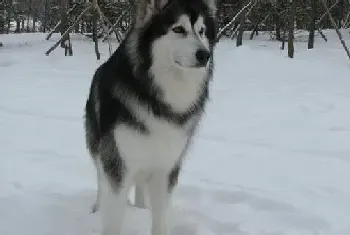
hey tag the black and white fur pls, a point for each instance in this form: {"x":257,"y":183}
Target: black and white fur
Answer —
{"x":145,"y":103}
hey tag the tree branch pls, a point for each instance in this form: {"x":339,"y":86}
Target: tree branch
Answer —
{"x":336,"y":28}
{"x":222,"y":30}
{"x":69,"y":29}
{"x":324,"y":14}
{"x":59,"y":22}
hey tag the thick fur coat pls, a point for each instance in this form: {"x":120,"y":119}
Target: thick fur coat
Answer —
{"x":145,"y":103}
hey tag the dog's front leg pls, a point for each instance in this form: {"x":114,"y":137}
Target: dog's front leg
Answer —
{"x":159,"y":196}
{"x":96,"y":206}
{"x":113,"y":202}
{"x":140,"y":197}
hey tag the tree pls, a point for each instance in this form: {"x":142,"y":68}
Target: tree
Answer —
{"x":239,"y":40}
{"x":279,"y":18}
{"x":312,"y":24}
{"x":291,"y":29}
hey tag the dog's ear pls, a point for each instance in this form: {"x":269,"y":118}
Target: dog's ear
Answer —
{"x":157,"y":5}
{"x":147,"y":8}
{"x":212,"y":6}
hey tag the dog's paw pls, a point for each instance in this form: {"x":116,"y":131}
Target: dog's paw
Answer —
{"x":94,"y":208}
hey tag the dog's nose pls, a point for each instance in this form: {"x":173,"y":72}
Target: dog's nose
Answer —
{"x":202,"y":56}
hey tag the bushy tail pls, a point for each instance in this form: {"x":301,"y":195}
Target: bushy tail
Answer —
{"x":92,"y":128}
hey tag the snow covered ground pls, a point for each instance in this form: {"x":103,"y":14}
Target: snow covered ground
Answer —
{"x":272,"y":156}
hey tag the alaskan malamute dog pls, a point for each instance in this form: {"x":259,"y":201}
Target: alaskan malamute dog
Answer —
{"x":145,"y":103}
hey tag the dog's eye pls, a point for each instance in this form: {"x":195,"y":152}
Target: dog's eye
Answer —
{"x":201,"y":31}
{"x":179,"y":30}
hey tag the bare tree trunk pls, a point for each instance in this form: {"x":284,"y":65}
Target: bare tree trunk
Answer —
{"x":8,"y":24}
{"x":312,"y":24}
{"x":68,"y":50}
{"x":28,"y":18}
{"x":22,"y":29}
{"x":63,"y":25}
{"x":34,"y":23}
{"x":239,"y":40}
{"x":284,"y":38}
{"x":291,"y":29}
{"x":278,"y":20}
{"x":341,"y":12}
{"x":2,"y":18}
{"x":8,"y":18}
{"x":94,"y":34}
{"x":45,"y":16}
{"x":77,"y":27}
{"x":18,"y":26}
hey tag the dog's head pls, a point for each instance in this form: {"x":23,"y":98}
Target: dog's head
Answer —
{"x":177,"y":33}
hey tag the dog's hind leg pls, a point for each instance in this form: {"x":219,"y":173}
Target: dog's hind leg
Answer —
{"x":159,"y":201}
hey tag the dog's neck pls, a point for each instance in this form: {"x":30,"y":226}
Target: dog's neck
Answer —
{"x":181,"y":88}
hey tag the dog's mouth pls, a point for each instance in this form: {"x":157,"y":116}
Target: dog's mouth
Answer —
{"x":178,"y":63}
{"x":196,"y":66}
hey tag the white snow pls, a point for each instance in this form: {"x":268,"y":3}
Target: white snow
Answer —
{"x":272,"y":156}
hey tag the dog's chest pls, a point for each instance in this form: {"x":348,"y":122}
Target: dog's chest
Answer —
{"x":161,"y":147}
